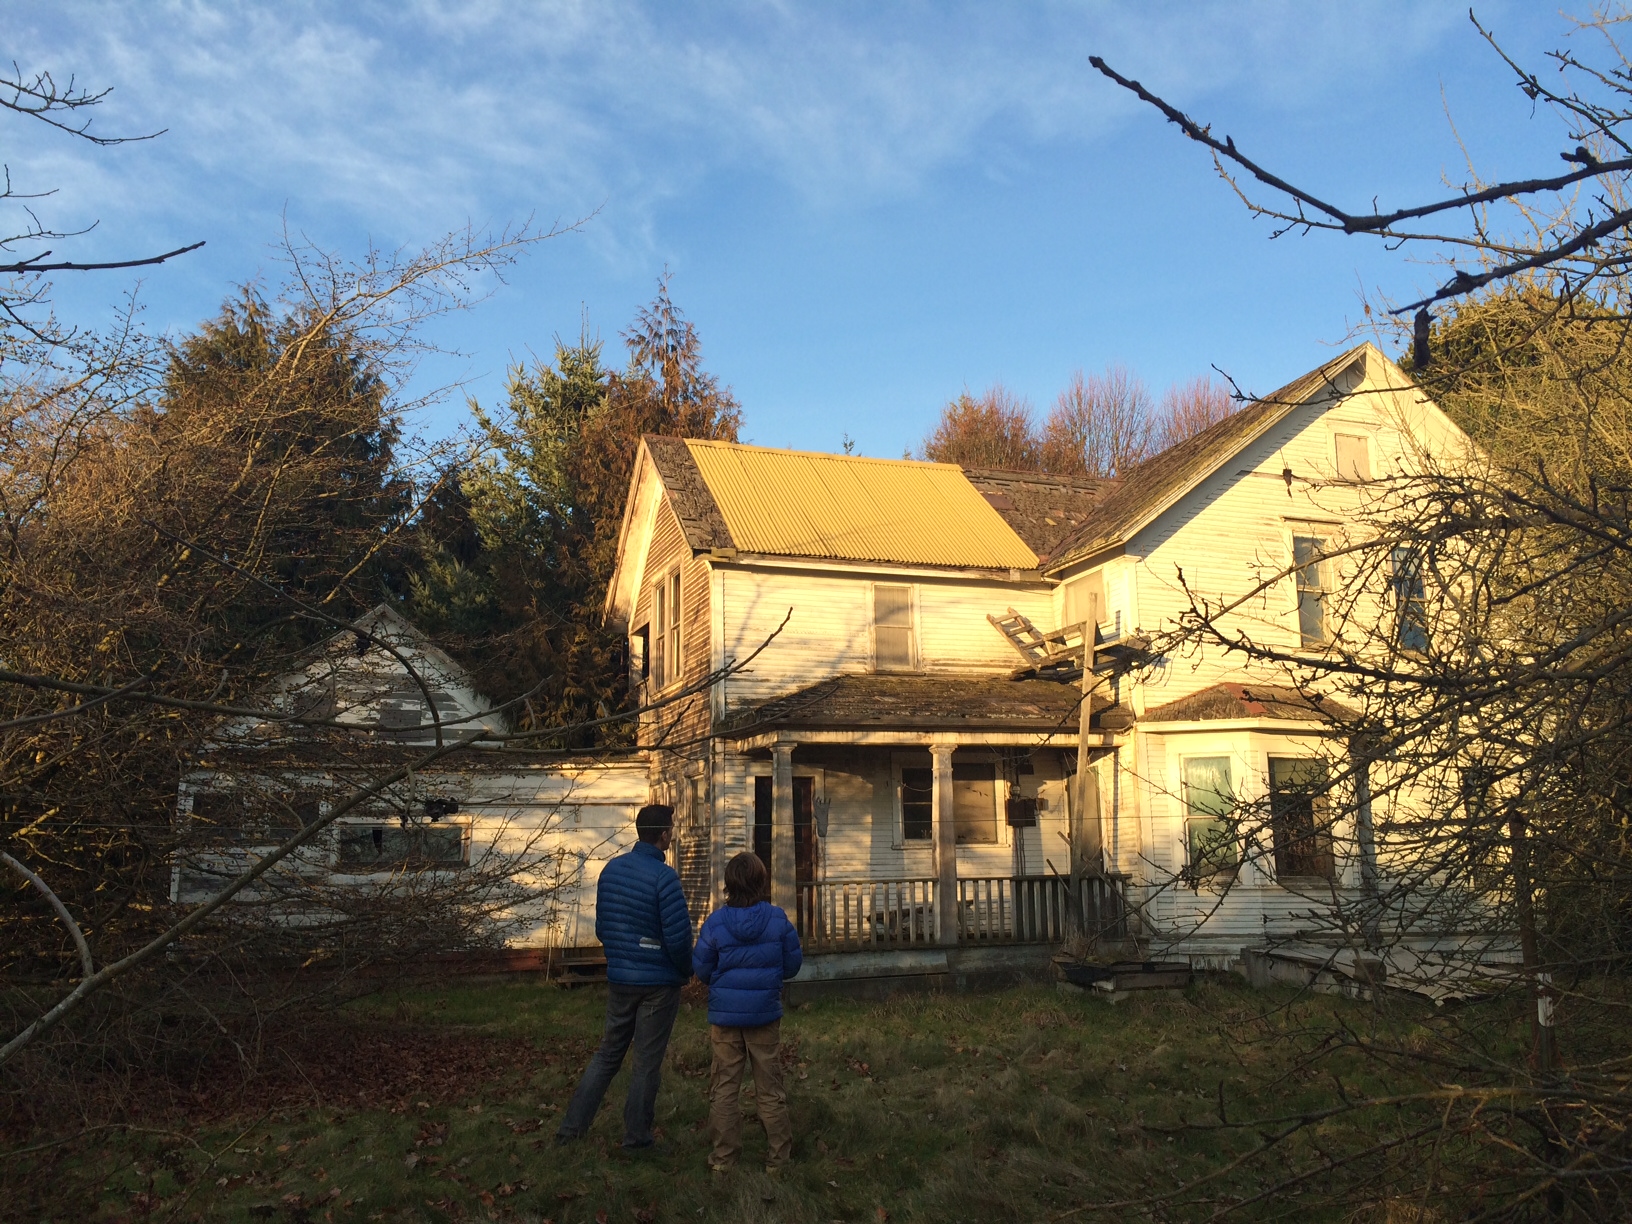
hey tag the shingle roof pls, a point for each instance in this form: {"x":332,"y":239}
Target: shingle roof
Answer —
{"x":700,"y":518}
{"x":1228,"y":700}
{"x":806,"y":504}
{"x":938,"y":702}
{"x":1158,"y":482}
{"x":1043,"y":509}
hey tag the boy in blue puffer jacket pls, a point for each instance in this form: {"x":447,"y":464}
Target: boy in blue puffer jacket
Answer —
{"x":744,"y":953}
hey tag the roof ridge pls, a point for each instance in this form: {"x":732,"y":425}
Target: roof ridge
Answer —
{"x":1156,"y":484}
{"x":721,"y":444}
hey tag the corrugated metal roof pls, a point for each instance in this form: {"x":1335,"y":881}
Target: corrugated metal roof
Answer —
{"x":802,"y":504}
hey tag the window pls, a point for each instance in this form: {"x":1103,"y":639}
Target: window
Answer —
{"x":382,"y":846}
{"x":1410,"y":600}
{"x":1297,"y":817}
{"x":674,"y":627}
{"x":1311,"y":591}
{"x":892,"y":628}
{"x":974,"y":804}
{"x":763,"y":801}
{"x":1353,"y":457}
{"x":665,"y":661}
{"x":640,"y":661}
{"x":1209,"y":827}
{"x":917,"y":804}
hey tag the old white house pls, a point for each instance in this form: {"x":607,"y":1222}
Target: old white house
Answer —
{"x":903,"y":749}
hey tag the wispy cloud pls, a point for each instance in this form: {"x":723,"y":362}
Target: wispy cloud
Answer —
{"x":403,"y":120}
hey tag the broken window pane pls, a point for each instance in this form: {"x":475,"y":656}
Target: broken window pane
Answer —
{"x":382,"y":846}
{"x":1298,"y":819}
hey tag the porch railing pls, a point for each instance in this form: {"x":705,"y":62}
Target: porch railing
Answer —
{"x":850,"y":914}
{"x":864,"y":914}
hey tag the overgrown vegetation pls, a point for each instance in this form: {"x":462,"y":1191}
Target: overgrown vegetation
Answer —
{"x":440,"y":1104}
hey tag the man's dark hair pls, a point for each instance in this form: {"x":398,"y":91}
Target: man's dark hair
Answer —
{"x":652,"y":821}
{"x":746,"y":880}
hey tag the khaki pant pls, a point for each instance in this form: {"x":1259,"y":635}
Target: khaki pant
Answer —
{"x":735,"y":1050}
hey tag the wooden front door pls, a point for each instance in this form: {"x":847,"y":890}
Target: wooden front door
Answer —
{"x":804,"y":830}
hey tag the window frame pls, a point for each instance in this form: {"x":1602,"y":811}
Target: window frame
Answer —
{"x":386,"y":823}
{"x":1319,"y":852}
{"x":910,"y":627}
{"x":1364,"y":439}
{"x":676,"y":648}
{"x":1220,"y":871}
{"x":998,"y":825}
{"x":1317,"y":591}
{"x":664,"y":626}
{"x":1410,"y":594}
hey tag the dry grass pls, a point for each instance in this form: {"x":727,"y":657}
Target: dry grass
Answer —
{"x":1015,"y":1105}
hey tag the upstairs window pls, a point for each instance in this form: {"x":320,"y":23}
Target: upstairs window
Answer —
{"x":893,"y":647}
{"x":917,"y":804}
{"x":1298,"y":817}
{"x":1410,"y":601}
{"x":1353,"y":458}
{"x":1209,"y":827}
{"x":1310,"y":575}
{"x":674,"y":627}
{"x":665,"y":629}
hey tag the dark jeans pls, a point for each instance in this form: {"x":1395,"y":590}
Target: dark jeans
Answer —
{"x":643,"y":1015}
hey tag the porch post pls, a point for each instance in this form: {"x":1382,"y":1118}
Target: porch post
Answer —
{"x":784,"y":881}
{"x":946,"y":845}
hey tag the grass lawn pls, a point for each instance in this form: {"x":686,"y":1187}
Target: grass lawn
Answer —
{"x":1005,"y":1106}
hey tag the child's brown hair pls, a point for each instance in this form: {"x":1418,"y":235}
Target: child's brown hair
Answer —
{"x":746,"y":880}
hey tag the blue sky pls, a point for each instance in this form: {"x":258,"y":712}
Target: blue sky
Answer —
{"x":865,"y":208}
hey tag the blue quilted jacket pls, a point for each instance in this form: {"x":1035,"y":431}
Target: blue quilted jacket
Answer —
{"x":641,"y":920}
{"x":744,"y":953}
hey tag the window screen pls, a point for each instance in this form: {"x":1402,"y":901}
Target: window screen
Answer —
{"x":917,"y":804}
{"x":1353,"y":457}
{"x":974,"y":804}
{"x":892,"y":628}
{"x":1297,"y":816}
{"x":1209,"y":801}
{"x":1311,"y":591}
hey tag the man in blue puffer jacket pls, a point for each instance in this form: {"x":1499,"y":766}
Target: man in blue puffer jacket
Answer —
{"x":744,"y":954}
{"x":642,"y":923}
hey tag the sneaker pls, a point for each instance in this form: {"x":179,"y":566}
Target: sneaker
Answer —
{"x":563,"y":1138}
{"x":773,"y":1170}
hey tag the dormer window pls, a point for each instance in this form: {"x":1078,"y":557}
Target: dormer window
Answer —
{"x":893,"y":645}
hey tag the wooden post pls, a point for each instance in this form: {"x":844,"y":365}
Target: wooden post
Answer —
{"x":1092,"y":852}
{"x":784,"y":880}
{"x":946,"y":846}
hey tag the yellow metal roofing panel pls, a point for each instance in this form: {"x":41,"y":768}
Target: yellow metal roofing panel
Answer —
{"x":802,"y":504}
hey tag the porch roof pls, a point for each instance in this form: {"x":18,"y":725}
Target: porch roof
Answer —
{"x":918,"y":703}
{"x":1236,"y":701}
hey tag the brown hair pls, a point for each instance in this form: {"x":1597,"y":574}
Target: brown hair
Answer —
{"x":746,"y":880}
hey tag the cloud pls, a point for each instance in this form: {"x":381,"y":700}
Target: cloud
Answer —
{"x":404,"y":120}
